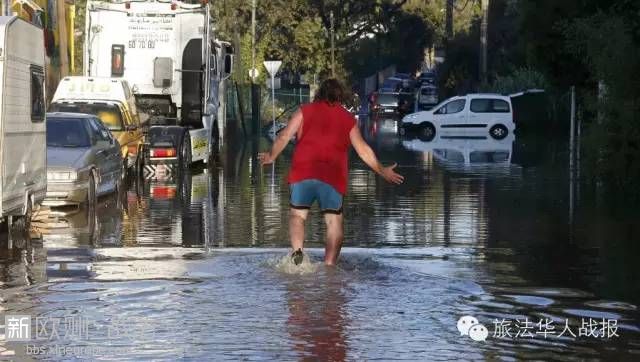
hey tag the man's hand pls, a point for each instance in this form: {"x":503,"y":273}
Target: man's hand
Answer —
{"x":390,"y":175}
{"x":265,"y":158}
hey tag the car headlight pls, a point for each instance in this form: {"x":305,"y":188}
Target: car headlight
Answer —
{"x":62,"y":175}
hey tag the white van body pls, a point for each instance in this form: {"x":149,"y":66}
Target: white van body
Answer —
{"x":23,"y":139}
{"x":473,"y":114}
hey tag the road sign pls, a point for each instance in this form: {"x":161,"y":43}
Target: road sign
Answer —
{"x":272,"y":67}
{"x":254,"y":73}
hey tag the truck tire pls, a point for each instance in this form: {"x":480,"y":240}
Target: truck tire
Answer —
{"x":23,"y":222}
{"x":185,"y":151}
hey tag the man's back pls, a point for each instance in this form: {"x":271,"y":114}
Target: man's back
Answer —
{"x":323,"y":143}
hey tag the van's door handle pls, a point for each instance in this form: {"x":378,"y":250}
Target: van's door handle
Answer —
{"x":29,"y":183}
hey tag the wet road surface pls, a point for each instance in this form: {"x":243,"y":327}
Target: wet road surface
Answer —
{"x":191,"y":268}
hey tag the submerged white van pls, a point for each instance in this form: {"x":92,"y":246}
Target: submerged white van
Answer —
{"x":473,"y":114}
{"x":23,"y":143}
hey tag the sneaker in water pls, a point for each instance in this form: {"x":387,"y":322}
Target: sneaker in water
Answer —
{"x":297,"y":257}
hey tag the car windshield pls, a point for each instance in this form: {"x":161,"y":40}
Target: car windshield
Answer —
{"x":109,"y":114}
{"x":67,"y":132}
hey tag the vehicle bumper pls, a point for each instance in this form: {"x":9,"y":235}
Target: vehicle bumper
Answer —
{"x":66,"y":193}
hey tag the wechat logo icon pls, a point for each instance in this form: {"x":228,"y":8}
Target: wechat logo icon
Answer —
{"x":469,"y":326}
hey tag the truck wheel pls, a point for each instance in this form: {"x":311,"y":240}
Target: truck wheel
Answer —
{"x":185,"y":152}
{"x":138,"y":172}
{"x":23,"y":222}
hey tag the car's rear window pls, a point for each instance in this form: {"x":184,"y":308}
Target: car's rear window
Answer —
{"x":109,"y":114}
{"x":387,"y":98}
{"x":67,"y":132}
{"x":487,"y":105}
{"x":428,"y":91}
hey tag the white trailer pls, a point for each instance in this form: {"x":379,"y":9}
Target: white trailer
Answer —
{"x":23,"y":152}
{"x":168,"y":53}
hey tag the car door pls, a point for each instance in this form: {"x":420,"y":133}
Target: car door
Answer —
{"x":108,"y":160}
{"x":451,"y":116}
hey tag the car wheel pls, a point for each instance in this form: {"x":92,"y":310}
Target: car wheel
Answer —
{"x":427,"y":132}
{"x":185,"y":152}
{"x":91,"y":193}
{"x":498,"y":132}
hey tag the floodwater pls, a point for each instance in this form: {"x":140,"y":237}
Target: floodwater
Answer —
{"x":193,"y":268}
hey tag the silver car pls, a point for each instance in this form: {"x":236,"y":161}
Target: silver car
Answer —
{"x":83,"y":160}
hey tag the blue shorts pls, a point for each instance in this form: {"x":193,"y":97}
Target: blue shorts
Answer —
{"x":306,"y":192}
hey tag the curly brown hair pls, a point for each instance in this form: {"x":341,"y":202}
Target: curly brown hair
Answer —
{"x":331,"y":91}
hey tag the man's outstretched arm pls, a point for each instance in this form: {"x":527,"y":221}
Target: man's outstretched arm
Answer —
{"x":369,"y":157}
{"x":282,"y":139}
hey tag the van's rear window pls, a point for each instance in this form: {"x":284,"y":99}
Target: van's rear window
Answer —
{"x":109,"y":114}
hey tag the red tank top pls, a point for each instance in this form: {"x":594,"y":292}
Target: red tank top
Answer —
{"x":322,"y":146}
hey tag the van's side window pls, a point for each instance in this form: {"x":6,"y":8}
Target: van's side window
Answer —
{"x":37,"y":94}
{"x":489,"y":106}
{"x":452,"y":107}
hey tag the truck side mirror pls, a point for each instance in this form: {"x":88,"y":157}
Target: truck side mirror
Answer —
{"x":228,"y":64}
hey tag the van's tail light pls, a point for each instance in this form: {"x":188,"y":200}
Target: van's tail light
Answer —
{"x":174,"y":6}
{"x":127,"y":5}
{"x":163,"y":152}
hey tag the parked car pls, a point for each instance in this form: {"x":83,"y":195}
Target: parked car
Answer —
{"x":83,"y":160}
{"x":391,"y":85}
{"x":426,"y":97}
{"x":393,"y":103}
{"x":427,"y":78}
{"x":112,"y":100}
{"x":473,"y":114}
{"x":23,"y":179}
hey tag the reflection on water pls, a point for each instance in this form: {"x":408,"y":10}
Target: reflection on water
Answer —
{"x":480,"y":227}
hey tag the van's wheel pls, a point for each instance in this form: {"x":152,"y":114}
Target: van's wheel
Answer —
{"x":427,"y":132}
{"x":498,"y":132}
{"x":91,"y":193}
{"x":185,"y":152}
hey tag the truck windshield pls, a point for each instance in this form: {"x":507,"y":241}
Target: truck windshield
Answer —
{"x":109,"y":114}
{"x":67,"y":132}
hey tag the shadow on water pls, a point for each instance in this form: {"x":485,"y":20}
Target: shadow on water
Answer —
{"x":480,"y":227}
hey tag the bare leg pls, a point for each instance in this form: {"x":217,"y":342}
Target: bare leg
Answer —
{"x":335,"y":236}
{"x":296,"y":227}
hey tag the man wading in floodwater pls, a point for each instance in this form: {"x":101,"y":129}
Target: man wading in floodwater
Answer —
{"x":319,"y":168}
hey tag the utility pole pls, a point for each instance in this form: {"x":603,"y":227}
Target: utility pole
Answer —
{"x":255,"y":91}
{"x":483,"y":40}
{"x":253,"y":39}
{"x":333,"y":59}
